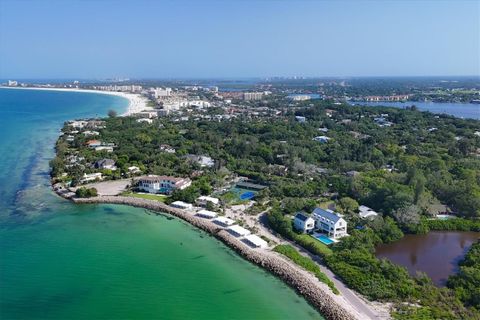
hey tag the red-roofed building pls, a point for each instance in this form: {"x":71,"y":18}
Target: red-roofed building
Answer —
{"x":93,"y":143}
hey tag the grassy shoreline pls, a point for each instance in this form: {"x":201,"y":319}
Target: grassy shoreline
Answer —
{"x":306,"y":263}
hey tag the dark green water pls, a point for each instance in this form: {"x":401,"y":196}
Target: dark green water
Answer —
{"x":64,"y":261}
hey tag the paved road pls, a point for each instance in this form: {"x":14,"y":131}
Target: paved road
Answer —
{"x":361,"y":306}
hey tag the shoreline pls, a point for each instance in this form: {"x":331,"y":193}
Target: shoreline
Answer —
{"x":136,"y":102}
{"x":318,"y":294}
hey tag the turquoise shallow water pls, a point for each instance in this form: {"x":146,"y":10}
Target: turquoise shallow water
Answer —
{"x":65,"y":261}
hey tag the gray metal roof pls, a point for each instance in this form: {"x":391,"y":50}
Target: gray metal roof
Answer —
{"x":301,"y":216}
{"x":326,"y":214}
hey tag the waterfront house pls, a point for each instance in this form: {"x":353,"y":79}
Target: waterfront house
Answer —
{"x":79,"y":124}
{"x":224,"y":222}
{"x":255,"y":241}
{"x":238,"y":231}
{"x":303,"y":222}
{"x":105,"y":164}
{"x":182,"y":205}
{"x":329,"y":222}
{"x":206,"y":214}
{"x":366,"y":213}
{"x":439,"y":210}
{"x":162,"y":184}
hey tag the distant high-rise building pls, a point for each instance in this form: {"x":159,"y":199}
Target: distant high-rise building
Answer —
{"x":160,"y":92}
{"x":125,"y":88}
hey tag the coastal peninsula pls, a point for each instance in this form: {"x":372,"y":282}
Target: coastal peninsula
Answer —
{"x":264,"y":179}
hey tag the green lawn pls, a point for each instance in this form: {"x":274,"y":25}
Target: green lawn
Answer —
{"x":306,"y":263}
{"x":313,"y":245}
{"x":157,"y":197}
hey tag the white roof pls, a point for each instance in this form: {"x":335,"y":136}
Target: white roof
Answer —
{"x":181,"y":204}
{"x":207,"y":198}
{"x":224,"y":221}
{"x":256,"y":241}
{"x":239,"y":230}
{"x":366,"y":212}
{"x":207,"y":213}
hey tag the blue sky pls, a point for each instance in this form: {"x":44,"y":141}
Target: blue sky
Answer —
{"x":205,"y":39}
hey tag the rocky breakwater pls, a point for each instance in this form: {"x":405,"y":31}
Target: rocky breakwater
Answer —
{"x":316,"y":293}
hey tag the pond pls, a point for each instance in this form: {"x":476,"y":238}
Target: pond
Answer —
{"x":436,"y":253}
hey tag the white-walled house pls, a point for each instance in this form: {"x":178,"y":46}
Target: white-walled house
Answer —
{"x":238,"y":231}
{"x":330,"y":222}
{"x":303,"y":222}
{"x":224,"y":222}
{"x":181,"y":205}
{"x":162,"y":184}
{"x":207,"y":214}
{"x":255,"y":241}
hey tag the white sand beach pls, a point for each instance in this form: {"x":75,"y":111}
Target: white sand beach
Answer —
{"x":137,"y":102}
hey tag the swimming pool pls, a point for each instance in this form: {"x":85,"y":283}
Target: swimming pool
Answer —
{"x":243,"y":194}
{"x":323,"y":239}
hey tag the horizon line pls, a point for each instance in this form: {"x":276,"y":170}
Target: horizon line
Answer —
{"x":292,"y":77}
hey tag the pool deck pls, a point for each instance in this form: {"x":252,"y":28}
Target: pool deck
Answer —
{"x":317,"y":235}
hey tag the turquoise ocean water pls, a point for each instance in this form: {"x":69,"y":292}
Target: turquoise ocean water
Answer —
{"x":65,"y":261}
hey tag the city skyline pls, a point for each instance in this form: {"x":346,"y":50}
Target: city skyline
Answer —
{"x":253,"y":39}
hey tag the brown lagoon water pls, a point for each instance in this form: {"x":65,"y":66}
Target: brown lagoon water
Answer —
{"x":436,"y":253}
